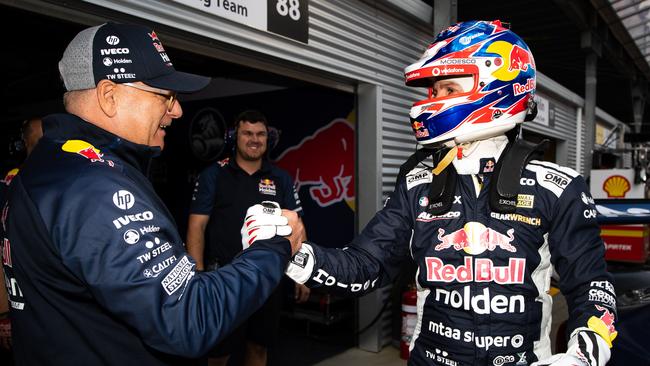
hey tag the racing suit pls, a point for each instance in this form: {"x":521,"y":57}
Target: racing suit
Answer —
{"x":482,"y":276}
{"x":96,"y":271}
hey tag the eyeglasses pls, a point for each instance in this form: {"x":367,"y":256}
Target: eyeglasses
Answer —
{"x":171,"y":95}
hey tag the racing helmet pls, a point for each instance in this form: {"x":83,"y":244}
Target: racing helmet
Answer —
{"x":496,"y":72}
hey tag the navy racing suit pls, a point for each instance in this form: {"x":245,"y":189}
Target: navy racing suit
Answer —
{"x":97,"y":273}
{"x":482,"y":276}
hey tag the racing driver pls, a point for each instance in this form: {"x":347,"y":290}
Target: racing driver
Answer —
{"x":486,"y":223}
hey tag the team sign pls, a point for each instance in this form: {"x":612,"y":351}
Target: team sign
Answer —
{"x":289,"y":18}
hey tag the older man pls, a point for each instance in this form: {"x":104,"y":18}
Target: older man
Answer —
{"x":97,"y":271}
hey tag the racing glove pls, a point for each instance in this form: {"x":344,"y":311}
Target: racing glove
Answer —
{"x":263,"y":221}
{"x":585,"y":348}
{"x":301,"y":265}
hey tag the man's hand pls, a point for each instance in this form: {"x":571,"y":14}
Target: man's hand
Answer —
{"x":264,"y":221}
{"x":5,"y":333}
{"x":297,"y":230}
{"x":585,"y":348}
{"x":301,"y":293}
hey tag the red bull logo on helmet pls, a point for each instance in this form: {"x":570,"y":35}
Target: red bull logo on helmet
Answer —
{"x":519,"y":59}
{"x":474,"y":238}
{"x":515,"y":58}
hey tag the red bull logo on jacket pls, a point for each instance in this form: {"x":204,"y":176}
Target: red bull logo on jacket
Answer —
{"x":325,"y":162}
{"x":86,"y":150}
{"x":474,"y":238}
{"x":476,"y":270}
{"x":267,"y":186}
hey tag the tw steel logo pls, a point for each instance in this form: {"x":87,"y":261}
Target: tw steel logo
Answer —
{"x":474,"y":238}
{"x":478,"y":270}
{"x":325,"y":162}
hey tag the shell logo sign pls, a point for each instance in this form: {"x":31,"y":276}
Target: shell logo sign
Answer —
{"x":616,"y":186}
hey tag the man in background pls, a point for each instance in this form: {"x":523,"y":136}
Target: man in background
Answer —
{"x":31,"y":132}
{"x":222,"y":195}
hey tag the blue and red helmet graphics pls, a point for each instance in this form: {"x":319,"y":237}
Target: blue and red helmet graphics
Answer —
{"x":503,"y":72}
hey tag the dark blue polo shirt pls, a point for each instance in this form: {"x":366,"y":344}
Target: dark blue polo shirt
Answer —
{"x":224,"y":192}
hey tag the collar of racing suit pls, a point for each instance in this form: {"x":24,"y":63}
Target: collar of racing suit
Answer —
{"x":474,"y":154}
{"x":64,"y":126}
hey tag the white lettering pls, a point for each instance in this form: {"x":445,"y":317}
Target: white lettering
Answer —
{"x":114,"y":51}
{"x":126,"y":219}
{"x":177,"y":276}
{"x":427,"y":217}
{"x":526,"y":182}
{"x":603,"y":297}
{"x":323,"y":277}
{"x":481,"y":304}
{"x":485,"y":342}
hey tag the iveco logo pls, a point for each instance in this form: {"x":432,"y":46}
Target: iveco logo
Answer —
{"x":112,"y":40}
{"x":114,"y":51}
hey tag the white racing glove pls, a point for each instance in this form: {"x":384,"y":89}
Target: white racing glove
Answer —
{"x":301,"y":265}
{"x":263,"y":221}
{"x":585,"y":348}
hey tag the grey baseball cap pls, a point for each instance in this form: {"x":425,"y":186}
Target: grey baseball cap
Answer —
{"x":122,"y":53}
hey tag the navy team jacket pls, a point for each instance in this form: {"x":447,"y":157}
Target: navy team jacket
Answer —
{"x":96,"y":271}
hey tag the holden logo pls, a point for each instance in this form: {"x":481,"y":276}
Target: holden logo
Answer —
{"x":131,"y":236}
{"x":123,"y":199}
{"x":112,"y":40}
{"x":107,"y":61}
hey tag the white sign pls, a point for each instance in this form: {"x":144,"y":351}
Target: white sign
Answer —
{"x":542,"y":110}
{"x":615,"y":183}
{"x":289,"y":18}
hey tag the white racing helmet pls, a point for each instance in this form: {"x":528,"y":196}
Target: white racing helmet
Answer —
{"x":496,"y":71}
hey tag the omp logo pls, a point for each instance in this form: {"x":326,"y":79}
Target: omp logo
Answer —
{"x":123,"y":199}
{"x":418,"y":178}
{"x":556,"y":179}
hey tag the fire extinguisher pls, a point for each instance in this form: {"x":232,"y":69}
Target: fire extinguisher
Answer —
{"x":409,"y":319}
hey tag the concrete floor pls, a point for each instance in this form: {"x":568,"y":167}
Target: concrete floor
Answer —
{"x":388,"y":356}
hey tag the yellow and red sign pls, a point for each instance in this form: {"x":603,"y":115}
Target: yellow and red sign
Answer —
{"x":626,"y":243}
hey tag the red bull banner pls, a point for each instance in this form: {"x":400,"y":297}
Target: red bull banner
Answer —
{"x":324,"y":162}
